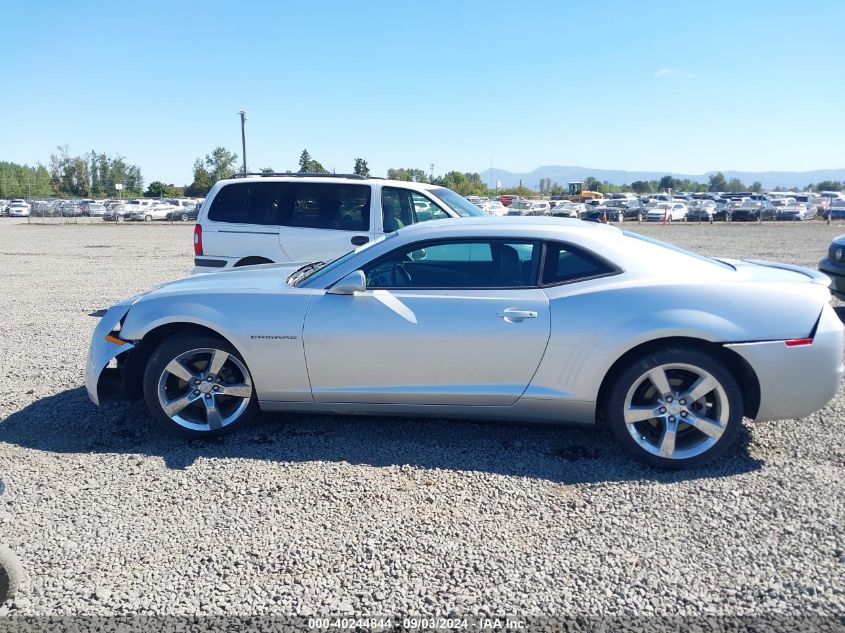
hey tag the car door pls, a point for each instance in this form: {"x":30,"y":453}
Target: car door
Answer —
{"x":441,"y":323}
{"x":321,"y":221}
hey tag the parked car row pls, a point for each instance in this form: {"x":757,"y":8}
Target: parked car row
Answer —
{"x":667,"y":208}
{"x":141,"y":209}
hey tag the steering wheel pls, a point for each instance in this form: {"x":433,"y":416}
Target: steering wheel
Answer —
{"x":401,"y":276}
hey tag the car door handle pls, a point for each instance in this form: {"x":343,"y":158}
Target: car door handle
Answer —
{"x":513,"y":315}
{"x":360,"y":240}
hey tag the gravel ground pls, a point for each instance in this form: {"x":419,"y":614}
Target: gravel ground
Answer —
{"x":316,"y":515}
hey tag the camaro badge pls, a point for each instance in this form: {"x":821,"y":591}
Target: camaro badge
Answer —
{"x":273,"y":337}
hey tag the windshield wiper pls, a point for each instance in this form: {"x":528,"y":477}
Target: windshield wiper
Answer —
{"x":296,"y":276}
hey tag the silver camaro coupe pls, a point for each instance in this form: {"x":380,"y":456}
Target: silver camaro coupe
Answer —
{"x":543,"y":319}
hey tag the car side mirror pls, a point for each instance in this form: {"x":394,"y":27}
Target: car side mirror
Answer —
{"x":349,"y":285}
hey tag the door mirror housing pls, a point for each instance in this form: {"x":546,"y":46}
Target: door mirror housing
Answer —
{"x":349,"y":285}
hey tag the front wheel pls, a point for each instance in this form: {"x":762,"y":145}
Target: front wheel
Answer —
{"x":185,"y":217}
{"x":675,"y":408}
{"x":640,"y":217}
{"x":199,"y":386}
{"x":148,"y":218}
{"x":11,"y":574}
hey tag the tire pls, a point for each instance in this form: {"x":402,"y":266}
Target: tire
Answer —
{"x":11,"y":574}
{"x":148,"y":218}
{"x":119,"y":218}
{"x":202,"y":409}
{"x":634,"y":395}
{"x":640,"y":217}
{"x":185,"y":217}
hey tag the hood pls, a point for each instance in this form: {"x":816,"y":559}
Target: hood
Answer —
{"x":270,"y":277}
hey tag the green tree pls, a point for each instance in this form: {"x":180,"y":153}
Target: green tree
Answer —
{"x":410,"y":175}
{"x":735,"y":185}
{"x":218,"y":165}
{"x":667,"y":182}
{"x":304,"y":161}
{"x":717,"y":182}
{"x":361,"y":168}
{"x":756,"y":186}
{"x":268,"y":170}
{"x":641,"y":186}
{"x":158,"y":189}
{"x":23,"y":181}
{"x":829,"y":185}
{"x":591,"y":184}
{"x":202,"y":180}
{"x":221,"y":164}
{"x":307,"y":164}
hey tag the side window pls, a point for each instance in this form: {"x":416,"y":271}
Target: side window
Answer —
{"x":248,"y":203}
{"x":327,"y":206}
{"x":426,"y":209}
{"x":458,"y":264}
{"x":565,"y":264}
{"x":401,"y":207}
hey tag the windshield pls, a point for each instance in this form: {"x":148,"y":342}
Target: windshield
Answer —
{"x":458,"y":204}
{"x":316,"y":270}
{"x":672,"y":247}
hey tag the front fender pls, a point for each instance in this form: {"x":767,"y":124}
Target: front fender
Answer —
{"x":102,"y":351}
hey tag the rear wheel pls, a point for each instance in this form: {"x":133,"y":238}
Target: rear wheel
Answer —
{"x":640,"y":217}
{"x":675,"y":408}
{"x":119,"y":218}
{"x":185,"y":217}
{"x":148,"y":218}
{"x":199,"y":386}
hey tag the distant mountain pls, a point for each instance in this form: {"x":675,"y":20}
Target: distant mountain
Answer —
{"x":563,"y":174}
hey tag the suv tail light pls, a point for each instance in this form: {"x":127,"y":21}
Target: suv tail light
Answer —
{"x":197,"y":239}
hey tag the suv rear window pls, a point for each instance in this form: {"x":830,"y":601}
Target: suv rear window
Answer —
{"x":340,"y":207}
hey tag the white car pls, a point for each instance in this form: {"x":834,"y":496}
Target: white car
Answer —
{"x":260,"y":219}
{"x":670,"y":211}
{"x":18,"y":209}
{"x":494,"y":208}
{"x":155,"y":210}
{"x":568,"y":209}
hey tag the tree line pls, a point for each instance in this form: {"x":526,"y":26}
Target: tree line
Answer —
{"x":93,"y":174}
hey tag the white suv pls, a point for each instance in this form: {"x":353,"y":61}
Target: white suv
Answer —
{"x":274,"y":218}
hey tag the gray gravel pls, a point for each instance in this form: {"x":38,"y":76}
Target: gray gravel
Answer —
{"x":313,"y":515}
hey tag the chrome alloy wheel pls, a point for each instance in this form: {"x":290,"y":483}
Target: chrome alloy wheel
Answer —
{"x":676,"y":411}
{"x":204,"y":389}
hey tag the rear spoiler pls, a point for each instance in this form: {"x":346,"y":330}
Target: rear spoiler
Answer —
{"x":815,"y":276}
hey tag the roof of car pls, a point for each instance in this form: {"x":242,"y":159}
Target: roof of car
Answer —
{"x":330,"y":178}
{"x":530,"y":224}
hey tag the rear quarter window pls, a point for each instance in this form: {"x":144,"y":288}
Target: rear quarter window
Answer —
{"x":296,"y":204}
{"x":565,"y":263}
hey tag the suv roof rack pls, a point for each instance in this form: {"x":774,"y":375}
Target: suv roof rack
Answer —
{"x":301,"y":174}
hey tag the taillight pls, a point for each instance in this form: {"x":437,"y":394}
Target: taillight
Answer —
{"x":197,"y":239}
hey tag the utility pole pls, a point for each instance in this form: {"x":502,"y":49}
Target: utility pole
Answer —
{"x":243,"y":135}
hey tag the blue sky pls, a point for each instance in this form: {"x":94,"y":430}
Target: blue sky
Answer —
{"x":666,"y":86}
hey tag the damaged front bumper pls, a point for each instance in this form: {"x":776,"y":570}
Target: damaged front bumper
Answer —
{"x":102,"y":381}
